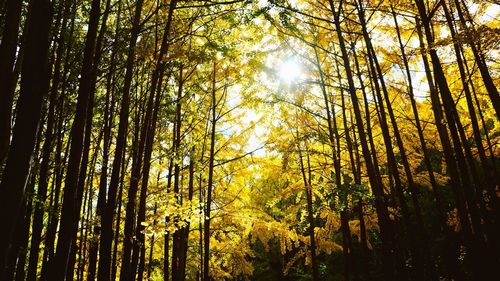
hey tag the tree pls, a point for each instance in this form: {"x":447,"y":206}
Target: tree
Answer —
{"x":34,"y":86}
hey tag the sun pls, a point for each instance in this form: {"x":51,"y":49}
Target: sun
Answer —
{"x":290,"y":70}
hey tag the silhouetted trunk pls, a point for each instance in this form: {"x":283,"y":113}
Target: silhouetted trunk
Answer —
{"x":53,"y":221}
{"x":310,"y":215}
{"x":211,"y":162}
{"x":60,"y":161}
{"x":114,"y":258}
{"x":24,"y":236}
{"x":176,"y":237}
{"x":7,"y":60}
{"x":150,"y":125}
{"x":152,"y":243}
{"x":489,"y":84}
{"x":484,"y":187}
{"x":186,"y":229}
{"x":70,"y":207}
{"x":34,"y":86}
{"x":334,"y":139}
{"x":108,"y":117}
{"x":17,"y":254}
{"x":19,"y":241}
{"x":43,"y":179}
{"x":127,"y":272}
{"x":380,"y":88}
{"x":344,"y":213}
{"x":455,"y":179}
{"x":166,"y":237}
{"x":390,"y":265}
{"x":367,"y":116}
{"x":104,"y":270}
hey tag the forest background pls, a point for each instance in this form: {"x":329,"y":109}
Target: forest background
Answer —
{"x":249,"y":140}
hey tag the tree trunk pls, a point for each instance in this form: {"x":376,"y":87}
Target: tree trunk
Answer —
{"x":70,"y":206}
{"x":108,"y":122}
{"x":106,"y":238}
{"x":177,"y":158}
{"x":211,"y":162}
{"x":310,"y":214}
{"x":390,"y":266}
{"x":7,"y":60}
{"x":34,"y":86}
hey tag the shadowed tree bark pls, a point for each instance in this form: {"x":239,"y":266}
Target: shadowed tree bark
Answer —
{"x":104,"y":269}
{"x":34,"y":86}
{"x":8,"y":47}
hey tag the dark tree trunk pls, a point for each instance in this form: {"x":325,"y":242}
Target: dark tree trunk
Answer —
{"x":177,"y":169}
{"x":43,"y":179}
{"x":455,"y":177}
{"x":211,"y":162}
{"x":186,"y":229}
{"x":106,"y":238}
{"x":60,"y":162}
{"x":24,"y":237}
{"x":380,"y":87}
{"x":22,"y":227}
{"x":127,"y":272}
{"x":70,"y":206}
{"x":166,"y":237}
{"x":7,"y":60}
{"x":485,"y":185}
{"x":489,"y":84}
{"x":344,"y":214}
{"x":310,"y":215}
{"x":34,"y":86}
{"x":150,"y":125}
{"x":334,"y":139}
{"x":391,"y":267}
{"x":108,"y":117}
{"x":114,"y":260}
{"x":450,"y":258}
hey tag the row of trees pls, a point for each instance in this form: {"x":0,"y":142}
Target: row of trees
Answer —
{"x":363,"y":87}
{"x":128,"y":139}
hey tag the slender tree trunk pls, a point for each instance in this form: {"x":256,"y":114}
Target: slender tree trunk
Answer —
{"x":417,"y":246}
{"x":127,"y":270}
{"x":489,"y":84}
{"x":60,"y":162}
{"x":24,"y":237}
{"x":114,"y":258}
{"x":34,"y":86}
{"x":104,"y":270}
{"x":210,"y":183}
{"x":487,"y":176}
{"x":43,"y":179}
{"x":344,"y":214}
{"x":53,"y":221}
{"x":166,"y":237}
{"x":20,"y":240}
{"x":310,"y":214}
{"x":186,"y":230}
{"x":455,"y":178}
{"x":367,"y":115}
{"x":177,"y":169}
{"x":390,"y":267}
{"x":7,"y":60}
{"x":334,"y":138}
{"x":150,"y":134}
{"x":108,"y":117}
{"x":70,"y":206}
{"x":450,"y":258}
{"x":152,"y":243}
